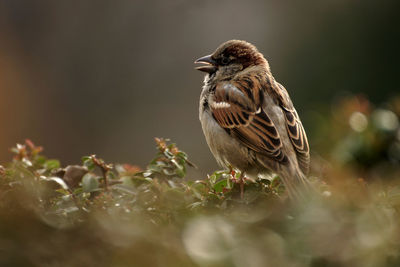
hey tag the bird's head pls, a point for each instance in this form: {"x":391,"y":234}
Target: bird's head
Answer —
{"x":230,"y":58}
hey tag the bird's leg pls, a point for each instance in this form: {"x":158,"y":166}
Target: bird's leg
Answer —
{"x":241,"y":183}
{"x":231,"y":171}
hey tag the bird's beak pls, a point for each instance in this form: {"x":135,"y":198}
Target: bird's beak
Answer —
{"x":210,"y":64}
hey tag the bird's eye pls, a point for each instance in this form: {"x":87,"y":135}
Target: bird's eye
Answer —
{"x":225,"y":60}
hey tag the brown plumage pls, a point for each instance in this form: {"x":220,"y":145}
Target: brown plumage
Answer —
{"x":248,"y":118}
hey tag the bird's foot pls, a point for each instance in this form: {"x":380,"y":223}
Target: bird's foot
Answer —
{"x":241,"y":181}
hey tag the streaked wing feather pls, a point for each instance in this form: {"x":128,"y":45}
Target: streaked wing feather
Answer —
{"x":299,"y":139}
{"x":294,"y":126}
{"x":245,"y":121}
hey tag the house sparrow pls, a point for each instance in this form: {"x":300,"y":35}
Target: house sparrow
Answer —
{"x":248,"y":118}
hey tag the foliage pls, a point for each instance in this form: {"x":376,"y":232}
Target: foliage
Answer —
{"x":362,"y":137}
{"x":101,"y":214}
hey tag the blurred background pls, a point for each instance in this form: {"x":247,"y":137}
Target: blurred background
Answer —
{"x":105,"y":77}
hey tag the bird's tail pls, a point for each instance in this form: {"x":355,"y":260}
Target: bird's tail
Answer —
{"x":297,"y":184}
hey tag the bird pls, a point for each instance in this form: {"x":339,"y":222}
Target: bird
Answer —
{"x":248,"y":118}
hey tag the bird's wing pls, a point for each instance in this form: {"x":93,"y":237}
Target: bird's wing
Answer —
{"x":237,"y":107}
{"x":294,"y":126}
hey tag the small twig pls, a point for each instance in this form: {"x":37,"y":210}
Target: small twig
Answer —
{"x":191,"y":164}
{"x":105,"y":168}
{"x":241,"y":183}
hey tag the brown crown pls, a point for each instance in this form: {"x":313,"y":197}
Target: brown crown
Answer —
{"x":246,"y":53}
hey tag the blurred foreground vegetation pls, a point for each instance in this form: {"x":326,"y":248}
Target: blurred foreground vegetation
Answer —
{"x":100,"y":214}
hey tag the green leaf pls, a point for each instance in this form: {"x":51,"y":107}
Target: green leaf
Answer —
{"x":127,"y":181}
{"x":180,"y":172}
{"x":90,"y":183}
{"x":180,"y":169}
{"x":52,"y":164}
{"x":59,"y":181}
{"x":182,"y":155}
{"x":88,"y":162}
{"x":78,"y":190}
{"x":213,"y":178}
{"x":219,"y":186}
{"x":40,"y":160}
